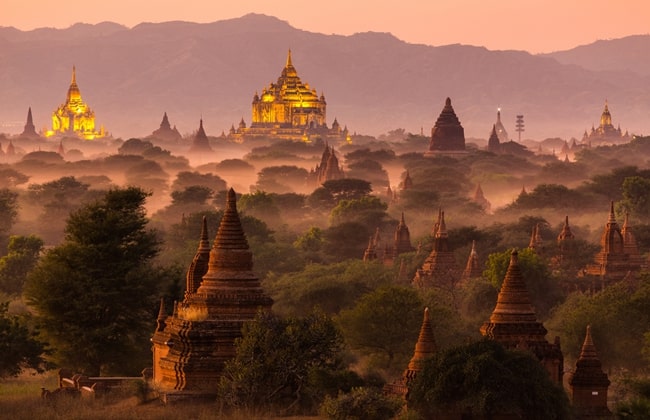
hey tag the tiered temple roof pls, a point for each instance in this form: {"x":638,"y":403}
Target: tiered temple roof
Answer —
{"x":74,"y":117}
{"x":165,"y":132}
{"x":447,"y":135}
{"x":191,"y":346}
{"x":290,"y":109}
{"x":514,"y":324}
{"x":328,"y":168}
{"x":606,"y":133}
{"x":401,"y":242}
{"x":617,"y":258}
{"x":479,"y":198}
{"x":536,"y":243}
{"x":439,"y":268}
{"x":588,"y":384}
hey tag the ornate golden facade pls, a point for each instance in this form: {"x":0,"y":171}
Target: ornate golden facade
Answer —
{"x":606,"y":133}
{"x":74,"y":117}
{"x":289,"y":109}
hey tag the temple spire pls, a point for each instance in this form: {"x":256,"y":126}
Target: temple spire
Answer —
{"x":289,"y":63}
{"x":513,"y":302}
{"x":73,"y":81}
{"x":612,"y":217}
{"x":424,"y":348}
{"x":442,"y":229}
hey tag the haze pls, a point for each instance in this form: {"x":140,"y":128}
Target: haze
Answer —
{"x":534,"y":26}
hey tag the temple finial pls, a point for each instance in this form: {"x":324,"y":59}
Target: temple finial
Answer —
{"x":612,"y":217}
{"x":289,"y":63}
{"x":74,"y":76}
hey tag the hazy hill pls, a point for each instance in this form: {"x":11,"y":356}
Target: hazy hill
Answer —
{"x":625,"y":54}
{"x":373,"y":82}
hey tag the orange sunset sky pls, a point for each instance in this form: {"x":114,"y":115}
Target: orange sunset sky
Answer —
{"x":532,"y":25}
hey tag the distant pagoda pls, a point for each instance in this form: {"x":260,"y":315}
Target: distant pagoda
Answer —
{"x":74,"y":117}
{"x":473,"y":267}
{"x":500,"y":130}
{"x":191,"y":346}
{"x":290,"y":110}
{"x":165,"y":132}
{"x":401,"y":243}
{"x":447,"y":135}
{"x":200,"y":142}
{"x":29,"y":132}
{"x":328,"y":169}
{"x":514,"y":324}
{"x":439,"y":268}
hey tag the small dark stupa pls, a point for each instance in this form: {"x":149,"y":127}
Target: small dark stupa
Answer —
{"x":447,"y":135}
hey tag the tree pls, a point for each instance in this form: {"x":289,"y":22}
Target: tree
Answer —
{"x":185,"y":179}
{"x":384,"y":322}
{"x":277,"y":359}
{"x":636,"y":197}
{"x":485,"y":380}
{"x":22,"y":255}
{"x":368,"y":210}
{"x":281,"y":179}
{"x":361,"y":403}
{"x":10,"y":178}
{"x":194,"y":194}
{"x":347,"y":188}
{"x":96,"y":293}
{"x":19,"y":348}
{"x":8,"y":210}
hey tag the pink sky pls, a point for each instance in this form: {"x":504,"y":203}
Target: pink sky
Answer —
{"x":531,"y":25}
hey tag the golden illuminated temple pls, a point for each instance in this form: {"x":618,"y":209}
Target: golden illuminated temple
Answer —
{"x":291,"y":110}
{"x":75,"y":117}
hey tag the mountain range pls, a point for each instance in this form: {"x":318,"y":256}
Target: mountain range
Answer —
{"x":373,"y":82}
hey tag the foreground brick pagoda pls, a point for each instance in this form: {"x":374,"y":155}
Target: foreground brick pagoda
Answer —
{"x":514,"y":324}
{"x":191,"y":346}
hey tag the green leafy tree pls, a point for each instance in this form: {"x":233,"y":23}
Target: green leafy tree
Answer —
{"x":185,"y":179}
{"x":96,"y":293}
{"x":276,"y":359}
{"x":484,"y":380}
{"x":311,"y":241}
{"x":260,"y":204}
{"x":194,"y":194}
{"x":361,"y":403}
{"x":281,"y":179}
{"x":368,"y":210}
{"x":8,"y":210}
{"x":346,"y":240}
{"x":636,"y":197}
{"x":22,"y":255}
{"x":347,"y":188}
{"x":385,"y":323}
{"x":19,"y":347}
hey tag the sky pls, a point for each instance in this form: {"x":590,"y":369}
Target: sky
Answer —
{"x":536,"y":26}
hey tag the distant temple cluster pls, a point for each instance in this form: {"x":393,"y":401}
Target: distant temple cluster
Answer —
{"x":606,"y":133}
{"x":289,"y":109}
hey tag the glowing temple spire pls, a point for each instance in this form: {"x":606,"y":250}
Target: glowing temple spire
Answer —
{"x":289,"y":63}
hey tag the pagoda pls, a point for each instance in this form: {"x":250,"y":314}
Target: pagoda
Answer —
{"x":499,"y":129}
{"x":473,"y":267}
{"x":479,"y":198}
{"x":401,"y":242}
{"x":74,"y":117}
{"x":200,"y":142}
{"x":494,"y":144}
{"x":425,"y":348}
{"x":447,"y":135}
{"x":616,"y":259}
{"x":439,"y":268}
{"x":588,"y":384}
{"x":536,"y":243}
{"x":606,"y":133}
{"x":328,"y":168}
{"x":370,"y":254}
{"x":290,"y":110}
{"x":514,"y":324}
{"x":165,"y":132}
{"x":29,"y":132}
{"x":191,"y":346}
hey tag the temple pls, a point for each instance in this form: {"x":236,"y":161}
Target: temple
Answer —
{"x":74,"y":117}
{"x":290,"y":110}
{"x":401,"y":243}
{"x":447,"y":135}
{"x":425,"y":348}
{"x":536,"y":243}
{"x":473,"y":267}
{"x":480,"y":200}
{"x":606,"y":133}
{"x":29,"y":132}
{"x":618,"y":256}
{"x":499,"y":129}
{"x":494,"y":144}
{"x":588,"y":384}
{"x":200,"y":142}
{"x":514,"y":324}
{"x":165,"y":132}
{"x":328,"y":168}
{"x":439,"y":268}
{"x":191,"y":346}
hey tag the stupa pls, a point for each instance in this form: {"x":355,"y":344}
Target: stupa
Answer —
{"x":191,"y":346}
{"x":447,"y":135}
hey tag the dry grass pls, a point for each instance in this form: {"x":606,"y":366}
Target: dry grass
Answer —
{"x":20,"y":400}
